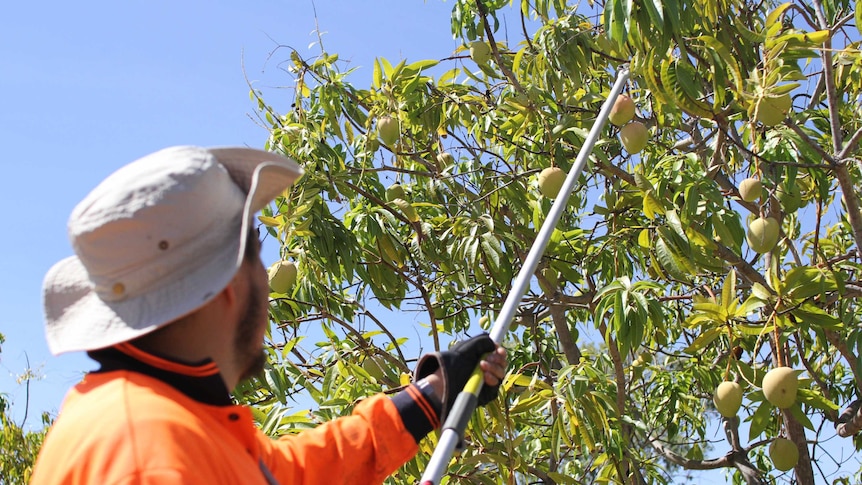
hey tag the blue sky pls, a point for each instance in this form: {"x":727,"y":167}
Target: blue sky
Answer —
{"x":86,"y":87}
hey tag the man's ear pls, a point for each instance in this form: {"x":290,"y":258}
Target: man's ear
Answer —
{"x":229,"y":291}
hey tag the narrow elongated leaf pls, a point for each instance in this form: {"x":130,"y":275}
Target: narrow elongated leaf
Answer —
{"x":760,"y":292}
{"x":613,"y":286}
{"x":724,"y":57}
{"x":655,"y":9}
{"x":749,"y":306}
{"x":816,"y":316}
{"x":758,"y":330}
{"x":644,"y":240}
{"x":616,"y":21}
{"x":803,"y":418}
{"x":377,"y":74}
{"x":703,"y":340}
{"x":270,"y":221}
{"x":804,"y":282}
{"x":728,"y":291}
{"x":760,"y":419}
{"x":858,"y":15}
{"x":651,"y":205}
{"x":775,"y":15}
{"x":669,"y":261}
{"x":423,"y":64}
{"x":712,"y":309}
{"x":815,"y":399}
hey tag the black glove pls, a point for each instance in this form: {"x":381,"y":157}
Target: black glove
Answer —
{"x":458,"y":364}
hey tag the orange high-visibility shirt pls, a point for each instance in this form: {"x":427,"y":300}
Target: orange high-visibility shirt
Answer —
{"x":142,"y":419}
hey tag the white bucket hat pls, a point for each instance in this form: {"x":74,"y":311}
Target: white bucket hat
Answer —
{"x":156,"y":240}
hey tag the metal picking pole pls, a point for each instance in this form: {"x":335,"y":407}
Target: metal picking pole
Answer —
{"x":465,"y":403}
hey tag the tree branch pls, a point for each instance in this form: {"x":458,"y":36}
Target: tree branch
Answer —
{"x":493,"y":43}
{"x":746,"y":270}
{"x":850,"y":146}
{"x":850,"y":420}
{"x":737,"y":457}
{"x":734,"y":458}
{"x":827,"y":157}
{"x":831,"y":94}
{"x":558,"y":317}
{"x":840,"y":345}
{"x":854,"y":214}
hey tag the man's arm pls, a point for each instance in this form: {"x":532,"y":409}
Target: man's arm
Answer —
{"x":383,"y":433}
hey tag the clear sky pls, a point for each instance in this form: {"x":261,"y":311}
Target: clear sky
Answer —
{"x":86,"y":87}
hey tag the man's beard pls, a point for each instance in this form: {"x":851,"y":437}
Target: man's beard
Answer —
{"x":246,"y":347}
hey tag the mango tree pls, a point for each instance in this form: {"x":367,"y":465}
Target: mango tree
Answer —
{"x":19,"y":445}
{"x":713,"y":238}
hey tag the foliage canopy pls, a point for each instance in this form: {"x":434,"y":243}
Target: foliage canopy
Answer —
{"x":649,"y":294}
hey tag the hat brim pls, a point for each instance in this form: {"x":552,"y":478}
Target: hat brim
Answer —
{"x":260,"y":174}
{"x":80,"y":320}
{"x":77,"y":319}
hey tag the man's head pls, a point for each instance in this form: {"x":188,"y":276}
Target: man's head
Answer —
{"x":157,"y":240}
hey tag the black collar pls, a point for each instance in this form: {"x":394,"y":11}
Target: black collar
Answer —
{"x":200,"y":381}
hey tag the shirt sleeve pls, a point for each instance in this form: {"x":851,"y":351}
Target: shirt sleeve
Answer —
{"x":366,"y":447}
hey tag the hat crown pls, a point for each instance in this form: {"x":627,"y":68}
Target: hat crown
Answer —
{"x":156,"y":240}
{"x":153,"y":218}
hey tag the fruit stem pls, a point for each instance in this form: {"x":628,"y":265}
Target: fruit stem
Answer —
{"x":730,"y":356}
{"x":776,"y":337}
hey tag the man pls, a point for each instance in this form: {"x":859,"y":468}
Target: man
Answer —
{"x":168,"y":293}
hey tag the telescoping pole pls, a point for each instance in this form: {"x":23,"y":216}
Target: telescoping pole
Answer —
{"x":465,"y":403}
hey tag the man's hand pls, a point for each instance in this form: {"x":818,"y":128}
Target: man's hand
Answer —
{"x":448,"y":371}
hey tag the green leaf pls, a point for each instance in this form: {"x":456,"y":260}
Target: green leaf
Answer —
{"x":723,"y":55}
{"x":672,"y":15}
{"x":804,"y":282}
{"x":796,"y":411}
{"x":858,"y":16}
{"x":699,"y":319}
{"x":728,"y":291}
{"x":270,"y":221}
{"x":655,"y":10}
{"x":760,"y":292}
{"x":806,"y":39}
{"x":775,"y":15}
{"x":377,"y":74}
{"x":749,"y":306}
{"x":562,"y":478}
{"x":726,"y":227}
{"x":670,"y":261}
{"x":747,"y":329}
{"x":813,"y":315}
{"x":616,"y":21}
{"x":643,"y":183}
{"x":691,"y":84}
{"x":611,"y":287}
{"x":703,"y":340}
{"x":651,"y":205}
{"x":760,"y":420}
{"x":680,"y":245}
{"x":816,"y":400}
{"x":644,"y":239}
{"x":530,"y":399}
{"x":423,"y":64}
{"x":709,"y":307}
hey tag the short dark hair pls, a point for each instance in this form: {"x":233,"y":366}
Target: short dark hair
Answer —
{"x":252,"y":245}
